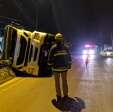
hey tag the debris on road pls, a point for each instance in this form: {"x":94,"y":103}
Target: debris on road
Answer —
{"x":6,"y":72}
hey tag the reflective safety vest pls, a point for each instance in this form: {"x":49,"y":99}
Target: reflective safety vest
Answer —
{"x":59,"y":58}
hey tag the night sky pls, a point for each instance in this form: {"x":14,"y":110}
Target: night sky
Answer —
{"x":78,"y":20}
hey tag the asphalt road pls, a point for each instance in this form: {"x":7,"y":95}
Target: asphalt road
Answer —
{"x":92,"y":84}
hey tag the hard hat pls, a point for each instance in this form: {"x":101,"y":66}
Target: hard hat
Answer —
{"x":58,"y":36}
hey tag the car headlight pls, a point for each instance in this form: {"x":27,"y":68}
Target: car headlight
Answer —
{"x":108,"y":53}
{"x":85,"y":52}
{"x":91,"y":51}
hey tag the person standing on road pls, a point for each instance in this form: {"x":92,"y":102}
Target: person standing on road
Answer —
{"x":60,"y":61}
{"x":87,"y":60}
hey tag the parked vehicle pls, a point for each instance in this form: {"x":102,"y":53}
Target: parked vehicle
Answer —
{"x":107,"y":53}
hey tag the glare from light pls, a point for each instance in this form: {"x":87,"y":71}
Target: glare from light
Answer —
{"x":91,"y":51}
{"x":88,"y":51}
{"x":90,"y":57}
{"x":108,"y":53}
{"x":84,"y":57}
{"x":87,"y":46}
{"x":109,"y":61}
{"x":85,"y":52}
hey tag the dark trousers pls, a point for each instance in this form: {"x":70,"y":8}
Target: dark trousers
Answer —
{"x":61,"y":82}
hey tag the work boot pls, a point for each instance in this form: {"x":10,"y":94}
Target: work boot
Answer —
{"x":57,"y":101}
{"x":59,"y":98}
{"x":66,"y":97}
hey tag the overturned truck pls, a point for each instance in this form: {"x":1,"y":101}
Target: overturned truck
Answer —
{"x":26,"y":51}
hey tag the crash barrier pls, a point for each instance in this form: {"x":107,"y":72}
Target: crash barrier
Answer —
{"x":27,"y":51}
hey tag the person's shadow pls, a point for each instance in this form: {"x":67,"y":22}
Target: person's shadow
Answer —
{"x":70,"y":104}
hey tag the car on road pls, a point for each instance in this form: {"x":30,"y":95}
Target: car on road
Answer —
{"x":107,"y":53}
